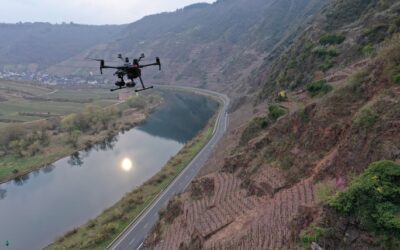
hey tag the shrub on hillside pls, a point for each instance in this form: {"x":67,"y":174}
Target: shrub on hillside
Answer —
{"x":376,"y":34}
{"x":368,"y":50}
{"x":344,"y":12}
{"x":275,"y":112}
{"x":310,"y":235}
{"x":396,"y":78}
{"x":390,"y":55}
{"x":374,"y":198}
{"x":331,"y":39}
{"x":367,"y":118}
{"x":319,"y":88}
{"x":324,"y":52}
{"x":174,"y":209}
{"x":325,"y":191}
{"x":255,"y":126}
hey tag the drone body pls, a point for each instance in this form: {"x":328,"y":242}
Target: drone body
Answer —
{"x":132,"y":71}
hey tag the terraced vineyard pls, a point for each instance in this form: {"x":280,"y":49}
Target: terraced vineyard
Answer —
{"x":262,"y":222}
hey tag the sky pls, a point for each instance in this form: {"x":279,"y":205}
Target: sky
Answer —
{"x":86,"y":11}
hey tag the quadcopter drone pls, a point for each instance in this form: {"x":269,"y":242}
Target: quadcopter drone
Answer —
{"x":130,"y":70}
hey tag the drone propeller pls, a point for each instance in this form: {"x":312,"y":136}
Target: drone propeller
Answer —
{"x":141,"y":57}
{"x":101,"y":63}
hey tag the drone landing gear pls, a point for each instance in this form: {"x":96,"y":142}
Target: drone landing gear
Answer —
{"x":143,"y":87}
{"x":120,"y":85}
{"x":138,"y":90}
{"x":112,"y":90}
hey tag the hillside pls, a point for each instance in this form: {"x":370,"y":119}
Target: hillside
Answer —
{"x":345,"y":32}
{"x":287,"y":180}
{"x":29,"y":47}
{"x":206,"y":45}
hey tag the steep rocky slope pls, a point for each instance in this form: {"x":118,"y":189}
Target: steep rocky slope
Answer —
{"x":268,"y":192}
{"x":345,"y":31}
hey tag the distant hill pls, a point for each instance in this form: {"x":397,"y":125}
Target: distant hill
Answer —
{"x":36,"y":46}
{"x":206,"y":45}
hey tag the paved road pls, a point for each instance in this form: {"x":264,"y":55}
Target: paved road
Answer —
{"x":134,"y":235}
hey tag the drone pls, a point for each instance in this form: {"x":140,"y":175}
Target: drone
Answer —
{"x":130,"y":70}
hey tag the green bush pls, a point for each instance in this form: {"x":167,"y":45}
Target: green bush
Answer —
{"x":136,"y":102}
{"x":275,"y":112}
{"x":360,"y":77}
{"x":374,"y":198}
{"x":368,"y":50}
{"x":312,"y":234}
{"x":376,"y":34}
{"x":344,"y":12}
{"x":326,"y":65}
{"x":324,"y":52}
{"x":390,"y":55}
{"x":331,"y":39}
{"x":396,"y":78}
{"x":325,"y":192}
{"x":286,"y":162}
{"x":256,"y":125}
{"x":367,"y":118}
{"x":319,"y":88}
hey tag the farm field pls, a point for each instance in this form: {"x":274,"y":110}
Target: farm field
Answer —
{"x":24,"y":102}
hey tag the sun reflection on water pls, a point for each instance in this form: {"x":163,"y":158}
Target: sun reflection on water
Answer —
{"x":126,"y":164}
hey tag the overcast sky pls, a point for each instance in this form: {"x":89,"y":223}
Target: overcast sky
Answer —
{"x":86,"y":11}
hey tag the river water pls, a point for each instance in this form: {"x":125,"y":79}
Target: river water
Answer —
{"x":38,"y":207}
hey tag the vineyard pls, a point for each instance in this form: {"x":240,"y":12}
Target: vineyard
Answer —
{"x":217,"y":220}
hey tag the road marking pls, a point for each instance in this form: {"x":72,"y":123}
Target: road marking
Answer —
{"x":140,"y":246}
{"x":226,"y":121}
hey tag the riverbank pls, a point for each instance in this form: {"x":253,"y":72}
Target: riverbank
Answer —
{"x":99,"y":232}
{"x":52,"y":141}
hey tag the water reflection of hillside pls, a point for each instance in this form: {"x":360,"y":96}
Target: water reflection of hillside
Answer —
{"x":189,"y":114}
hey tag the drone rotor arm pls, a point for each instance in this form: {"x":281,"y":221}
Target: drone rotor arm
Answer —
{"x":147,"y":65}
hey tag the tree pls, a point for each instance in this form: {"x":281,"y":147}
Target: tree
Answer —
{"x":73,"y":138}
{"x":68,"y":122}
{"x":136,"y":102}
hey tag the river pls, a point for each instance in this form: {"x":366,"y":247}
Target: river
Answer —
{"x":38,"y":207}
